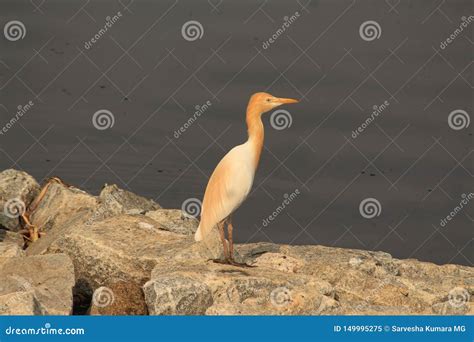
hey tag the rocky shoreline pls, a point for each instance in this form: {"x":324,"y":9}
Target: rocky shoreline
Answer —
{"x":122,"y":254}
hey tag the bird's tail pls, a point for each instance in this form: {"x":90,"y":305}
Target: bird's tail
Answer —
{"x":198,"y":235}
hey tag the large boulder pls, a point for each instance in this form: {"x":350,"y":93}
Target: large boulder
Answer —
{"x":177,"y":295}
{"x":37,"y":285}
{"x":309,"y":280}
{"x":124,"y":248}
{"x":59,"y":204}
{"x":60,"y":209}
{"x":63,"y":207}
{"x":196,"y":288}
{"x":17,"y":191}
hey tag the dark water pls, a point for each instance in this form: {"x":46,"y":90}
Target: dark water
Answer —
{"x":151,"y":79}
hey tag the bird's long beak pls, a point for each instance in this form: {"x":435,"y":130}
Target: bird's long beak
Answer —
{"x":287,"y":101}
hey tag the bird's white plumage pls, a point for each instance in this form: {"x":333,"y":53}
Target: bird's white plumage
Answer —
{"x":229,"y":185}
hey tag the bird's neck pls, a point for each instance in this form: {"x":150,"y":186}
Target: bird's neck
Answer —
{"x":255,"y":132}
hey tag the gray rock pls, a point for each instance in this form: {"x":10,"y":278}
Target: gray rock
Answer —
{"x":59,"y":204}
{"x":177,"y":295}
{"x":174,"y":221}
{"x":50,"y":278}
{"x":60,"y":209}
{"x":118,"y":201}
{"x":11,"y":244}
{"x":17,"y":191}
{"x":230,"y":290}
{"x":20,"y":303}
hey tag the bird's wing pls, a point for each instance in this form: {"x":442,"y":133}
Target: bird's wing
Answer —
{"x":228,"y":186}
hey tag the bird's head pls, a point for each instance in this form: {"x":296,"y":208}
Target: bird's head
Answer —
{"x":264,"y":102}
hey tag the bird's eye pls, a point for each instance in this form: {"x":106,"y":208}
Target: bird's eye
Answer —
{"x":269,"y":100}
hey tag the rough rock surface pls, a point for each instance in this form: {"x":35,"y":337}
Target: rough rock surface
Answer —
{"x":20,"y":303}
{"x":17,"y":190}
{"x":120,"y":298}
{"x":11,"y":244}
{"x":119,"y":201}
{"x":174,"y":221}
{"x":311,"y":280}
{"x":59,"y":204}
{"x":37,"y":285}
{"x":122,"y":248}
{"x":63,"y":208}
{"x":126,"y":248}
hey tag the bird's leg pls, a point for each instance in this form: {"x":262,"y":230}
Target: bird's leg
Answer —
{"x":231,"y":240}
{"x":231,"y":260}
{"x":224,"y":242}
